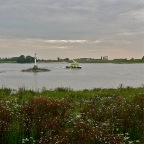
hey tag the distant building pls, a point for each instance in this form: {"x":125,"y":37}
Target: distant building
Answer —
{"x":105,"y":57}
{"x":58,"y":59}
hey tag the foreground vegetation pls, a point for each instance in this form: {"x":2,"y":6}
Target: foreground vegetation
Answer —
{"x":64,"y":116}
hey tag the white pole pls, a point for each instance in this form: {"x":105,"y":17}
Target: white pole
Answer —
{"x":35,"y":59}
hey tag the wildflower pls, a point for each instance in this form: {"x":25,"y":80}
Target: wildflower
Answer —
{"x":130,"y":142}
{"x":26,"y":139}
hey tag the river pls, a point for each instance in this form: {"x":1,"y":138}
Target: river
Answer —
{"x":89,"y":77}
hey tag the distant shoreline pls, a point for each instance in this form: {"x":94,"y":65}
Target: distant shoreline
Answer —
{"x":108,"y":62}
{"x":30,"y":59}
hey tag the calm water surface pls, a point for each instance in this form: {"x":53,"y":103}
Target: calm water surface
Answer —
{"x":90,"y":76}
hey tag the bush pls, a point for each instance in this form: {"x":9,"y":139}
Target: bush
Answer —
{"x":46,"y":117}
{"x":5,"y":121}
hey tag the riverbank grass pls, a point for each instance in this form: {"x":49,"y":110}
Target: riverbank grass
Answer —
{"x":62,"y":115}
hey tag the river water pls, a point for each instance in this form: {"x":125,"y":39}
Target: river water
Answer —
{"x":90,"y":76}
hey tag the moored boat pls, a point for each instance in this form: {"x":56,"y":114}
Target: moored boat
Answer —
{"x":78,"y":67}
{"x":74,"y":65}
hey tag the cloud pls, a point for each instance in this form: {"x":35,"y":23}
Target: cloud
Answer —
{"x":65,"y":41}
{"x":97,"y":41}
{"x":137,"y":14}
{"x":76,"y":25}
{"x":52,"y":48}
{"x":127,"y":33}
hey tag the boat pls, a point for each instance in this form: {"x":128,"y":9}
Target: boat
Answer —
{"x":74,"y":65}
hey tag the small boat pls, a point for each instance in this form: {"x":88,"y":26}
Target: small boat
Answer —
{"x":78,"y":67}
{"x":74,"y":65}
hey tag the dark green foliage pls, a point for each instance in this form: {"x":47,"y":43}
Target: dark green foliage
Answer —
{"x":23,"y":59}
{"x":20,"y":59}
{"x":98,"y":116}
{"x":5,"y":122}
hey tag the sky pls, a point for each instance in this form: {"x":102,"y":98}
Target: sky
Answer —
{"x":72,"y":28}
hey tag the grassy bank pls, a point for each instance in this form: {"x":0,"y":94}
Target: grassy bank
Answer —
{"x":64,"y":116}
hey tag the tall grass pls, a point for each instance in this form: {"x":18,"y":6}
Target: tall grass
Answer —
{"x":98,"y":116}
{"x":5,"y":122}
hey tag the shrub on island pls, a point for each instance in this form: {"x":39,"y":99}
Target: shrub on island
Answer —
{"x":36,"y":69}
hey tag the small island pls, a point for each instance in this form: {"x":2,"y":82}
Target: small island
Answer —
{"x":36,"y":68}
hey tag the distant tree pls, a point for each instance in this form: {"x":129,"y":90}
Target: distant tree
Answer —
{"x":29,"y":59}
{"x":21,"y":59}
{"x":66,"y":59}
{"x":132,"y":59}
{"x":14,"y":59}
{"x":143,"y":58}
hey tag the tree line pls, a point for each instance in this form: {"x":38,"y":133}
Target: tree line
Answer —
{"x":20,"y":59}
{"x":30,"y":59}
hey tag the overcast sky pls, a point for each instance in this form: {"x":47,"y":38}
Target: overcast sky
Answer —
{"x":72,"y":28}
